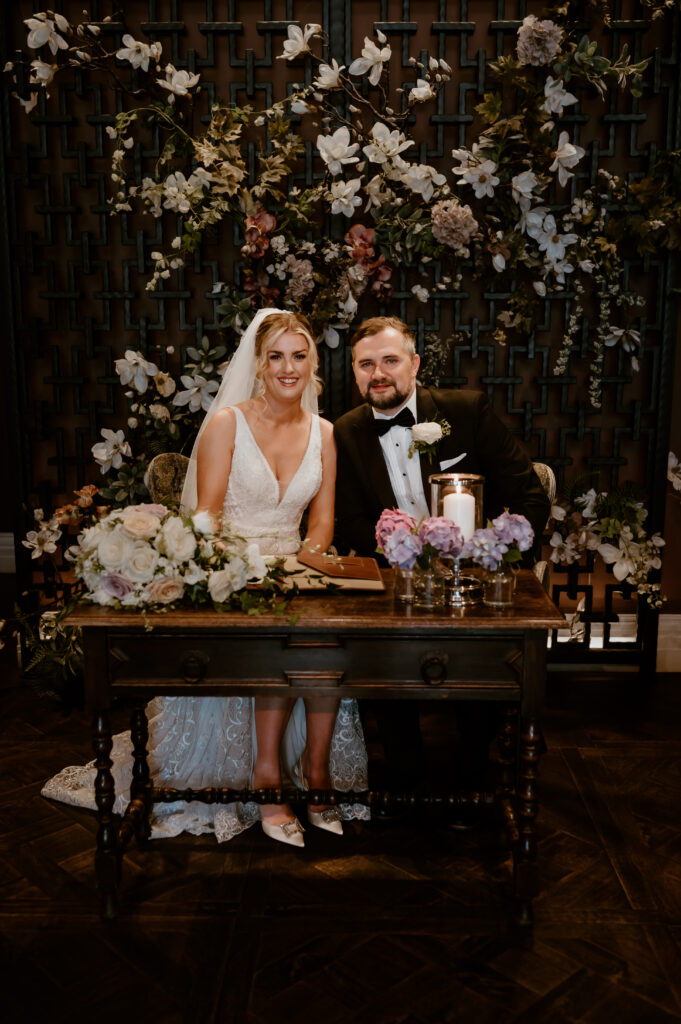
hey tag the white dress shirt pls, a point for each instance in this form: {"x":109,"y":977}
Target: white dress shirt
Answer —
{"x":404,"y":473}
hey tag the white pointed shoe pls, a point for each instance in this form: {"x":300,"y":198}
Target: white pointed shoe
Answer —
{"x":330,"y":818}
{"x":290,"y":832}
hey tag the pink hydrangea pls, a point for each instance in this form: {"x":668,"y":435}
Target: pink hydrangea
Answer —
{"x":391,"y":520}
{"x":441,"y":534}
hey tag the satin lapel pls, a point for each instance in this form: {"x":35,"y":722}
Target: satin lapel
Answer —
{"x":426,"y":411}
{"x":374,"y":465}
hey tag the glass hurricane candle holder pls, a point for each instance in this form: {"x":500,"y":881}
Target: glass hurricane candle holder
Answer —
{"x":458,"y":496}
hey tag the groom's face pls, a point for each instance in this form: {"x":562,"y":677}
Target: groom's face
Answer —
{"x":384,"y":370}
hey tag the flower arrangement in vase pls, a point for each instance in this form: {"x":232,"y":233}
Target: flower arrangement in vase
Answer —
{"x":413,"y":549}
{"x":497,"y":548}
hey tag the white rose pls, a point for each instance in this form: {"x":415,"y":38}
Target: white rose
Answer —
{"x":101,"y":597}
{"x":256,"y":567}
{"x":165,"y":590}
{"x":90,"y":538}
{"x":141,"y":562}
{"x":139,"y":522}
{"x":203,"y":522}
{"x":176,"y":541}
{"x":194,"y":574}
{"x":225,"y":581}
{"x":428,"y":433}
{"x":114,"y":548}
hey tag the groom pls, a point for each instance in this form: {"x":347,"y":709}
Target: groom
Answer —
{"x":374,"y":472}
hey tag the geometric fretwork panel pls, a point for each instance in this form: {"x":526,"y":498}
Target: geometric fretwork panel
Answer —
{"x":75,"y":289}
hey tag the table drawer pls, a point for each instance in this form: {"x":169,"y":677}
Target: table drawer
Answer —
{"x":299,"y":661}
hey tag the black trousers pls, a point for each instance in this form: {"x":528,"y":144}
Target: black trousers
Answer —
{"x":399,"y":730}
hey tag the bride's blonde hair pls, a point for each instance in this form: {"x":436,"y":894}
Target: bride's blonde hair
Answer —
{"x":270,"y":330}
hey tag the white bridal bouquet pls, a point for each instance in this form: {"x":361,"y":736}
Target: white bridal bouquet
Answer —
{"x":148,"y":556}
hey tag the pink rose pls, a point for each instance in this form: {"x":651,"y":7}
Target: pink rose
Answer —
{"x":164,"y":590}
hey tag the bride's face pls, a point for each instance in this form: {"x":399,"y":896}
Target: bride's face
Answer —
{"x":288,"y":370}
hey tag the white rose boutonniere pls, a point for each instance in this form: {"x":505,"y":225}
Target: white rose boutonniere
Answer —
{"x":424,"y":436}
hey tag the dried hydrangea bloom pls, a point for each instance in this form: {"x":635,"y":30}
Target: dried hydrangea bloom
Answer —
{"x":538,"y":41}
{"x":452,"y":224}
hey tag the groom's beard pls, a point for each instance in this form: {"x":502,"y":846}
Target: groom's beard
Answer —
{"x":385,"y":400}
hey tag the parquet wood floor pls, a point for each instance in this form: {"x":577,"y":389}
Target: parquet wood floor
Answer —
{"x":398,"y":925}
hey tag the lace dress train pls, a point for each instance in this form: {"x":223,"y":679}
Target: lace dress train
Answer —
{"x":210,"y":741}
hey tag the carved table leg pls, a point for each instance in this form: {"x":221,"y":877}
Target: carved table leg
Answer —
{"x":140,"y":787}
{"x":525,"y":855}
{"x":507,"y":744}
{"x":107,"y":863}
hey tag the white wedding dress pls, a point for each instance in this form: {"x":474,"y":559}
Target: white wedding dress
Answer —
{"x":210,"y":741}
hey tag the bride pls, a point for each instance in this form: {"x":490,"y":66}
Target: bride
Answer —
{"x":262,"y":457}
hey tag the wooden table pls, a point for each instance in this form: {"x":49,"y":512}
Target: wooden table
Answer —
{"x":344,"y":645}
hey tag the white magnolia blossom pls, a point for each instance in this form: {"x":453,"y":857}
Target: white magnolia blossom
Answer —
{"x":178,"y":83}
{"x":336,"y":150}
{"x":344,"y":196}
{"x":556,"y":96}
{"x":421,"y":293}
{"x":623,"y":558}
{"x":42,"y":73}
{"x":498,"y":261}
{"x":422,"y":178}
{"x":372,"y":60}
{"x":540,"y":288}
{"x":42,"y":31}
{"x":135,"y":370}
{"x":566,"y":155}
{"x":178,"y":191}
{"x":629,"y":339}
{"x":139,"y":54}
{"x":565,"y":551}
{"x":422,"y":91}
{"x":328,"y":75}
{"x":559,"y":268}
{"x":386,"y":145}
{"x":30,"y":103}
{"x":43,"y":540}
{"x":112,"y":450}
{"x":378,"y":192}
{"x":522,"y":186}
{"x":298,"y":41}
{"x":481,"y":176}
{"x":674,"y":471}
{"x":551,"y":241}
{"x":198,"y":394}
{"x":331,"y":337}
{"x":531,"y":221}
{"x":587,"y":503}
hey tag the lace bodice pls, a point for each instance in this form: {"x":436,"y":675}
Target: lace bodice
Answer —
{"x":252,"y":503}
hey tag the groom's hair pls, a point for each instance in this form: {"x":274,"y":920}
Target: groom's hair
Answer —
{"x":380,"y":323}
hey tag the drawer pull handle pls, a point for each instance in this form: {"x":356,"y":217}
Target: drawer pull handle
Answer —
{"x":434,"y":667}
{"x":193,"y":666}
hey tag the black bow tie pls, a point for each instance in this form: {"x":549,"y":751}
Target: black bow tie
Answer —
{"x":404,"y":418}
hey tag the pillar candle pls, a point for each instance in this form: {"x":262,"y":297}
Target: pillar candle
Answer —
{"x":460,"y":508}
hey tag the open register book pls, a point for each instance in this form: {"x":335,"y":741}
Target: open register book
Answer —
{"x":349,"y":573}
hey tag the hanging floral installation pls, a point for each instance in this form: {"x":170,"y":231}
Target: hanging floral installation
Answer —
{"x":502,"y":212}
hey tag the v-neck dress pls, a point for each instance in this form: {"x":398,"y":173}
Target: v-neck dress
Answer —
{"x":253,"y":506}
{"x":210,"y":741}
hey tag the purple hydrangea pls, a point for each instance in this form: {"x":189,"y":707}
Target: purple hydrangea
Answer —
{"x":402,"y":548}
{"x":486,"y":548}
{"x":390,"y":520}
{"x":441,"y":534}
{"x":116,"y":585}
{"x":514,"y":528}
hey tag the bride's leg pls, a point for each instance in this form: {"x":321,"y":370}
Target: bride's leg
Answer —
{"x":321,"y":718}
{"x":271,"y":716}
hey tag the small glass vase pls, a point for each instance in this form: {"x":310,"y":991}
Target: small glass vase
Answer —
{"x":498,"y":587}
{"x":429,"y":589}
{"x":404,"y":585}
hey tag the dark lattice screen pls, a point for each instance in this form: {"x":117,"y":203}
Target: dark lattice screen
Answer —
{"x":75,"y":277}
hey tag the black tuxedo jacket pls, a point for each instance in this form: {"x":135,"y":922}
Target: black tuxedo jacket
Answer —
{"x":363,"y":486}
